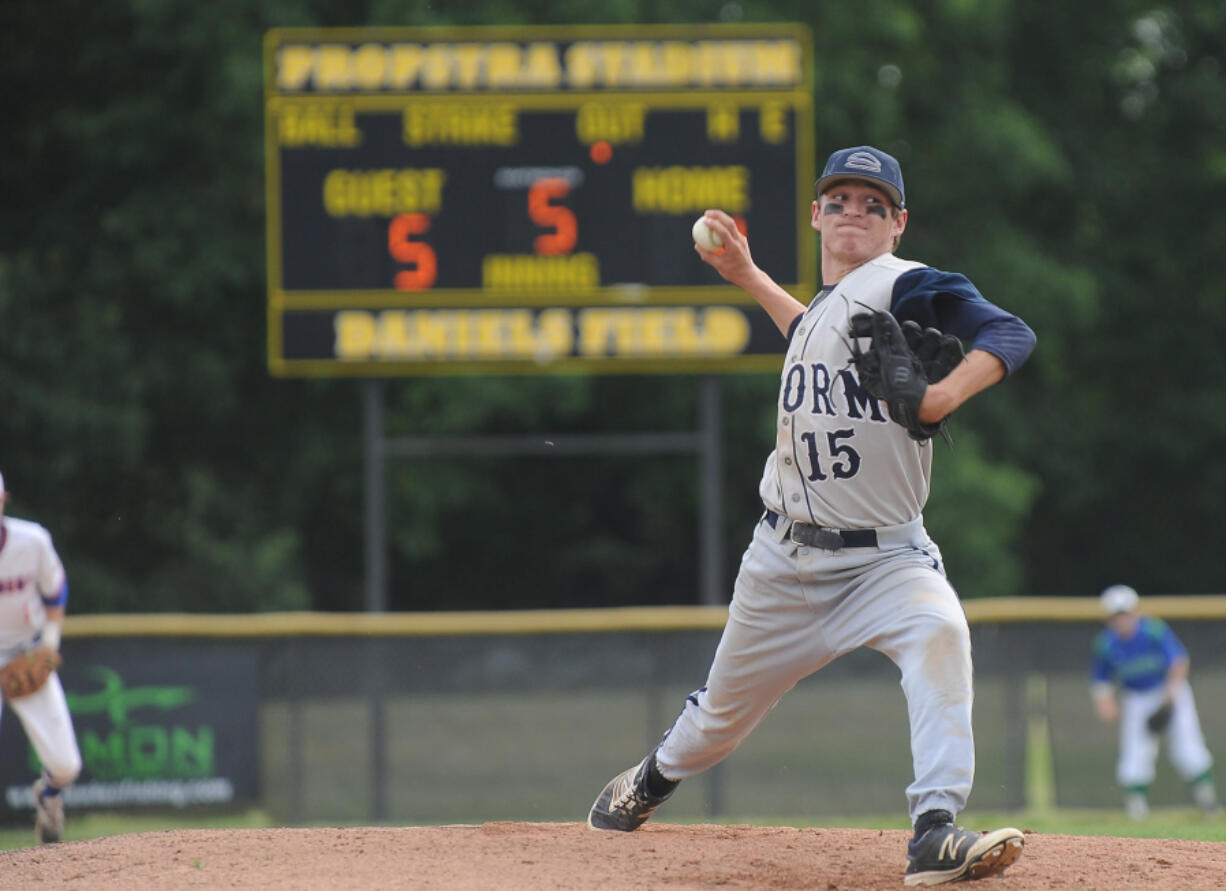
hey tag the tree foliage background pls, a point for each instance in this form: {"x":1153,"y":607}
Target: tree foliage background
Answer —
{"x":1070,"y":158}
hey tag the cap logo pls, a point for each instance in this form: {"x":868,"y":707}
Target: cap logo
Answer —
{"x":863,"y":161}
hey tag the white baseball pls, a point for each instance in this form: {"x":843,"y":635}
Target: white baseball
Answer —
{"x":706,"y":237}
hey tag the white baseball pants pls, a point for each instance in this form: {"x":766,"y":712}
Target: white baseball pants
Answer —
{"x":1139,"y":748}
{"x":48,"y":725}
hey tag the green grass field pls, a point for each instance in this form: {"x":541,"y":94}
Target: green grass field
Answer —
{"x":1180,"y":823}
{"x":99,"y":825}
{"x":1177,"y":823}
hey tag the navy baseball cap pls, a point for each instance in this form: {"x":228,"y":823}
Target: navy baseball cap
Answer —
{"x":869,"y":164}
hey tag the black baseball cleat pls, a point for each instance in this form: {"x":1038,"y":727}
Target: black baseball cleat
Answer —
{"x":948,"y":853}
{"x":625,"y":803}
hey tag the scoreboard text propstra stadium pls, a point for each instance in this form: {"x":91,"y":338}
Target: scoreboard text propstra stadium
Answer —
{"x":519,"y":200}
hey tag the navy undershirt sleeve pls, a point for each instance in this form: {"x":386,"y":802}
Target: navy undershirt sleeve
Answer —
{"x":948,"y":301}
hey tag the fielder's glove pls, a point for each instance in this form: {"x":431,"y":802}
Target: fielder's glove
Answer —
{"x":900,"y":363}
{"x":28,"y":672}
{"x":1160,"y":717}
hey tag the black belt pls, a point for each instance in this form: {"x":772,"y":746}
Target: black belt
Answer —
{"x":826,"y":539}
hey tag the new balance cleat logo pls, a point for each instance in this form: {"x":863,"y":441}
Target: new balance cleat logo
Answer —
{"x":949,"y":847}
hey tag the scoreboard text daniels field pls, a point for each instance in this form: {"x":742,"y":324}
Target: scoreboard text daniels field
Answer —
{"x":519,"y":200}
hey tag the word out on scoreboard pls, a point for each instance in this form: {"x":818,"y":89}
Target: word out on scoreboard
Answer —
{"x":484,"y":200}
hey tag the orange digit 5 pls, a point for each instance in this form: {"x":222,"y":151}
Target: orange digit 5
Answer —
{"x":552,"y":216}
{"x":418,"y":254}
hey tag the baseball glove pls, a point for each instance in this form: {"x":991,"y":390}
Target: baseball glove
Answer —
{"x":28,"y":672}
{"x":1160,"y":717}
{"x":900,"y":363}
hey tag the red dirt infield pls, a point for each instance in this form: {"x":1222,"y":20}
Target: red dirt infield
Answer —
{"x":569,"y":855}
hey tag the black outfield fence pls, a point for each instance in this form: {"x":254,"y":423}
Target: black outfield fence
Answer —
{"x":469,"y":717}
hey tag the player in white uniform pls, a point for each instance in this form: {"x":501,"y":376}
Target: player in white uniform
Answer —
{"x":33,"y":597}
{"x":1149,"y":662}
{"x":840,"y":558}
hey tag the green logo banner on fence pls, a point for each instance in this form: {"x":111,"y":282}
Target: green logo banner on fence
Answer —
{"x":158,"y":724}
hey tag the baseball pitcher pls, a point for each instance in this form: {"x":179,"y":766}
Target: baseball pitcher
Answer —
{"x":840,"y":558}
{"x":33,"y":597}
{"x":1143,"y":655}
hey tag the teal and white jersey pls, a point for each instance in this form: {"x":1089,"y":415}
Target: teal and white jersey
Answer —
{"x":1140,"y":662}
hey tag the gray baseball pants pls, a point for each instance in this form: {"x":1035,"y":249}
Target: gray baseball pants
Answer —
{"x":796,"y":609}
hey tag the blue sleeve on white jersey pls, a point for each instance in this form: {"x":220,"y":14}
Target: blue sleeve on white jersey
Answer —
{"x":948,"y":301}
{"x":58,"y":599}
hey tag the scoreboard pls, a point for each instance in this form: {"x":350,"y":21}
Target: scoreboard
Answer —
{"x":519,"y":200}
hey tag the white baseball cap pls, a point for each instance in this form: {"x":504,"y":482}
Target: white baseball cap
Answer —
{"x":4,"y":493}
{"x":1118,"y":599}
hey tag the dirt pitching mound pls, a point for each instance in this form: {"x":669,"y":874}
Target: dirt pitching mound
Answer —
{"x":569,"y":855}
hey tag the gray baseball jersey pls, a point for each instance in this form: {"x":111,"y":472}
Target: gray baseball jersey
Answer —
{"x":824,"y":470}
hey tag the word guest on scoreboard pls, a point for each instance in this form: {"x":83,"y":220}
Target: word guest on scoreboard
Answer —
{"x":519,"y":201}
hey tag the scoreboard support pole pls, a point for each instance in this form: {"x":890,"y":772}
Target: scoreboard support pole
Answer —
{"x":706,"y":443}
{"x":711,"y":493}
{"x":376,"y":586}
{"x":375,"y":502}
